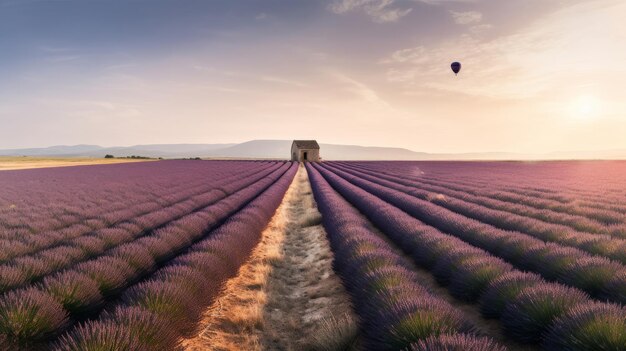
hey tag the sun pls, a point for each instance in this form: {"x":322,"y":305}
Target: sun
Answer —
{"x":585,"y":107}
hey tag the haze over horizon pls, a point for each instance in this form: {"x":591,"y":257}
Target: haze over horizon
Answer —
{"x":538,"y":75}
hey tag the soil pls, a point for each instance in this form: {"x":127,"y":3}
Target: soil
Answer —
{"x":286,"y":291}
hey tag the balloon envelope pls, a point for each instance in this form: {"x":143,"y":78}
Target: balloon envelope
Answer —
{"x":456,"y":67}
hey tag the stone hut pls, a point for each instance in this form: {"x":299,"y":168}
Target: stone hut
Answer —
{"x":305,"y":151}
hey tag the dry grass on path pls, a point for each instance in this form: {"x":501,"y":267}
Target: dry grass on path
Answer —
{"x":287,"y":295}
{"x":27,"y":162}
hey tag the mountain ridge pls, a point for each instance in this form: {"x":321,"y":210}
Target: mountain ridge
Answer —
{"x":280,"y":149}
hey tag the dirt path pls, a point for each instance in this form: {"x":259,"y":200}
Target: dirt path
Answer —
{"x":287,"y":295}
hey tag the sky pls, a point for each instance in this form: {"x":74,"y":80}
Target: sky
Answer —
{"x":538,"y":75}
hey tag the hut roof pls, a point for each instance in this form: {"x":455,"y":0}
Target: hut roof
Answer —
{"x":307,"y":144}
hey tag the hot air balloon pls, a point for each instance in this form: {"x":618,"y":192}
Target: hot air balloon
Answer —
{"x":456,"y":67}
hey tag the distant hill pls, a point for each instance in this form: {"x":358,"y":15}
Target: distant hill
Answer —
{"x":255,"y":149}
{"x":354,"y":152}
{"x":152,"y":150}
{"x":279,"y":149}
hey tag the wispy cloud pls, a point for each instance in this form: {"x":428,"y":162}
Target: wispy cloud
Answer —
{"x":252,"y":76}
{"x":530,"y":63}
{"x":467,"y":17}
{"x":414,"y":55}
{"x":291,"y":82}
{"x":224,"y":89}
{"x":441,"y":2}
{"x":64,"y":58}
{"x":361,"y":90}
{"x":381,"y":11}
{"x":480,"y":28}
{"x":55,"y":49}
{"x":383,"y":74}
{"x":386,"y":11}
{"x":91,"y":108}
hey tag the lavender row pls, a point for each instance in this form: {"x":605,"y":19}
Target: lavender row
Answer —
{"x":35,"y":201}
{"x":395,"y":312}
{"x":530,"y":309}
{"x":589,"y":220}
{"x":111,"y":210}
{"x":602,"y":212}
{"x":506,"y":179}
{"x":554,"y":180}
{"x":523,"y":218}
{"x":588,"y":184}
{"x":551,"y":178}
{"x":156,"y":313}
{"x":27,"y":270}
{"x":472,"y":195}
{"x":600,"y":277}
{"x":596,"y":244}
{"x":20,"y":242}
{"x":140,"y":221}
{"x":552,"y":261}
{"x":80,"y":291}
{"x":132,"y":221}
{"x":112,"y":273}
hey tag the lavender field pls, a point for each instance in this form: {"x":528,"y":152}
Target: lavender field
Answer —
{"x":539,"y":248}
{"x":465,"y":256}
{"x":125,"y":257}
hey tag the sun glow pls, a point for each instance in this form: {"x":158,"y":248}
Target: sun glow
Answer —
{"x":585,"y":107}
